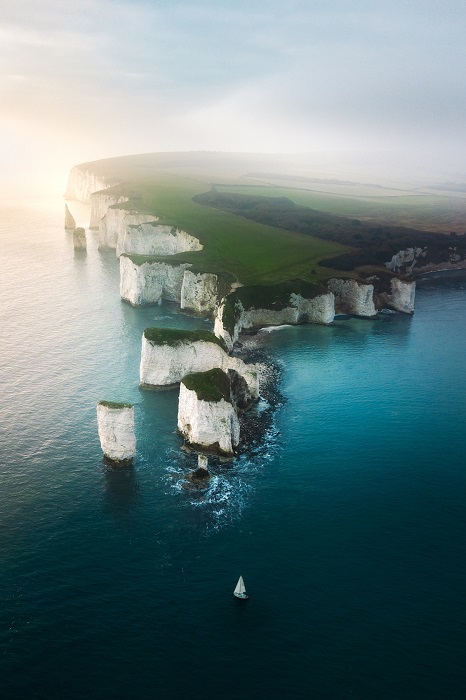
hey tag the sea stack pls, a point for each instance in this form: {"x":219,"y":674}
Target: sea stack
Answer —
{"x":79,"y":238}
{"x":70,"y":223}
{"x":207,"y":416}
{"x":116,"y":431}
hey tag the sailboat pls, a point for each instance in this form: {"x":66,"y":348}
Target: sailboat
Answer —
{"x":240,"y":590}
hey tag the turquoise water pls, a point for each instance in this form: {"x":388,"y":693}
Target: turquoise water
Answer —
{"x":347,"y":522}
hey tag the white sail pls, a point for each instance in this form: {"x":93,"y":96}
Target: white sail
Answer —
{"x":240,"y":587}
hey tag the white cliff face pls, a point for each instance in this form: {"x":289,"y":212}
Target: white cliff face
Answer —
{"x":319,"y":309}
{"x":165,"y":365}
{"x":150,"y":238}
{"x":79,"y":239}
{"x":199,"y":292}
{"x":211,"y":425}
{"x":353,"y":297}
{"x":405,"y":260}
{"x":83,"y":182}
{"x":100,"y":203}
{"x":113,"y":226}
{"x":150,"y":282}
{"x":116,"y":432}
{"x":221,"y":332}
{"x":402,"y":296}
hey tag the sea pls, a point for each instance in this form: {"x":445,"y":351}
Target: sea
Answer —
{"x":345,"y":516}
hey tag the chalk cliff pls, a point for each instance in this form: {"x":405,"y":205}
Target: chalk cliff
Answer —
{"x":415,"y":261}
{"x":70,"y":223}
{"x":393,"y":292}
{"x":291,"y":302}
{"x":116,"y":431}
{"x":152,"y":238}
{"x":113,"y":226}
{"x":82,"y":182}
{"x":207,"y":417}
{"x":168,"y":355}
{"x":353,"y":297}
{"x":199,"y":292}
{"x":100,"y":204}
{"x":147,"y":282}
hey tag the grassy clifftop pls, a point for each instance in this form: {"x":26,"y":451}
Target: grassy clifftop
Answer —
{"x":266,"y":250}
{"x":253,"y":253}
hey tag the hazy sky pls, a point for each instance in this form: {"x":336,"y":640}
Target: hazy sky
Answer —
{"x":85,"y":79}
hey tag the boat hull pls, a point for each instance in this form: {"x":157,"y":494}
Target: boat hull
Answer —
{"x":241,"y":596}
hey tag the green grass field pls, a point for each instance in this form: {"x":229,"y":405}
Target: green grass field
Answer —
{"x":165,"y":183}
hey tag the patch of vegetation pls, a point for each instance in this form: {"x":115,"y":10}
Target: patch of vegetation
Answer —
{"x":114,"y":404}
{"x":250,"y":252}
{"x":176,"y":336}
{"x":141,"y":259}
{"x":213,"y":385}
{"x":372,"y":245}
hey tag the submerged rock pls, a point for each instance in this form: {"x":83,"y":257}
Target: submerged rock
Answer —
{"x":116,"y":431}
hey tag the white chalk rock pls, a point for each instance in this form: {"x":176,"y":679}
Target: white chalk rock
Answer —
{"x":70,"y":223}
{"x":116,"y":431}
{"x":82,"y":182}
{"x":318,"y":309}
{"x":151,"y":238}
{"x":199,"y":292}
{"x":113,"y":226}
{"x":79,"y":239}
{"x":210,"y":425}
{"x":405,"y":260}
{"x":353,"y":297}
{"x":100,"y":204}
{"x":402,"y":296}
{"x":149,"y":282}
{"x":166,"y":363}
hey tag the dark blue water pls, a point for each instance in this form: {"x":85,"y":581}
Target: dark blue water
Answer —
{"x":347,"y":523}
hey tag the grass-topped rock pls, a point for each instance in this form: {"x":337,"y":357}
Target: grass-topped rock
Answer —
{"x":170,"y":354}
{"x":213,"y":385}
{"x":175,"y":337}
{"x":115,"y":404}
{"x":289,"y":302}
{"x":207,"y":417}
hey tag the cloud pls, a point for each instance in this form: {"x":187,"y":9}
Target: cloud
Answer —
{"x":108,"y":76}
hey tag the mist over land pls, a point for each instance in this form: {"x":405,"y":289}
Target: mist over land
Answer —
{"x":351,"y":90}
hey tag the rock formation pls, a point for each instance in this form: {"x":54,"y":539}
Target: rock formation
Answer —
{"x":113,"y":226}
{"x":101,"y":203}
{"x":148,"y":237}
{"x":290,"y":302}
{"x":82,"y":182}
{"x":393,"y":292}
{"x":416,"y":261}
{"x":168,"y":355}
{"x":199,"y":292}
{"x":70,"y":223}
{"x":207,"y":417}
{"x":79,"y":239}
{"x":116,"y":431}
{"x":353,"y":297}
{"x":145,"y":282}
